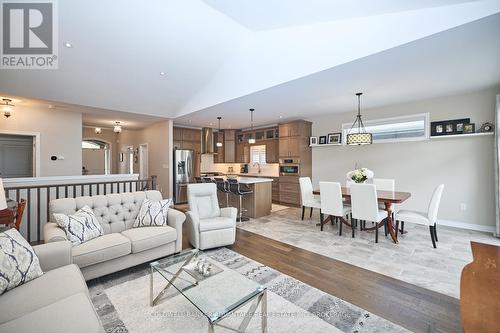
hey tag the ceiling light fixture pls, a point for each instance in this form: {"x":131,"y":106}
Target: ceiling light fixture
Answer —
{"x":117,"y":128}
{"x":251,"y":139}
{"x":162,"y":73}
{"x":359,"y":135}
{"x":97,"y":130}
{"x":219,"y":142}
{"x":68,"y":45}
{"x":7,"y":107}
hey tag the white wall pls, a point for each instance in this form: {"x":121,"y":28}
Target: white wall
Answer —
{"x":60,"y":135}
{"x":464,"y":165}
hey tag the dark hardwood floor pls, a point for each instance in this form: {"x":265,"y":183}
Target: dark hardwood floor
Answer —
{"x":413,"y":307}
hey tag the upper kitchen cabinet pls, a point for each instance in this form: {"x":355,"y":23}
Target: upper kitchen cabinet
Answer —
{"x":272,"y":148}
{"x":218,"y":151}
{"x":230,"y":146}
{"x":189,"y":134}
{"x":296,"y":128}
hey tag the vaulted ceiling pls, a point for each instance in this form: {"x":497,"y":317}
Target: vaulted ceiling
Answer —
{"x":294,"y":58}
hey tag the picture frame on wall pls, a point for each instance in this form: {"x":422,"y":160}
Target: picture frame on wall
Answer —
{"x":313,"y":140}
{"x":322,"y":140}
{"x":334,"y":138}
{"x":449,"y":127}
{"x":469,"y":128}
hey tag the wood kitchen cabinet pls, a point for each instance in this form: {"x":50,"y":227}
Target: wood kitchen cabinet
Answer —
{"x":296,"y":128}
{"x":218,"y":151}
{"x":242,"y":153}
{"x":272,"y":151}
{"x":291,"y":146}
{"x":189,"y":138}
{"x":230,"y":146}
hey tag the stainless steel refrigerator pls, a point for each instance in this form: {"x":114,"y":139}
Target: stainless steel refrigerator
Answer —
{"x":183,"y":173}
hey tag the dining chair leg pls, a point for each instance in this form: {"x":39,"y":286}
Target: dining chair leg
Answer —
{"x":353,"y":228}
{"x":431,"y":229}
{"x":321,"y":220}
{"x":311,"y":213}
{"x":435,"y":232}
{"x":402,"y":227}
{"x":376,"y":235}
{"x":303,"y":211}
{"x":340,"y":228}
{"x":397,"y":228}
{"x":386,"y":229}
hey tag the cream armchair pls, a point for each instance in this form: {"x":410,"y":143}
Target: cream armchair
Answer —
{"x":208,"y":225}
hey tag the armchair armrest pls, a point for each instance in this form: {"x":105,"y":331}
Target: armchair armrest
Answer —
{"x":54,"y":255}
{"x":193,"y":225}
{"x":231,"y":212}
{"x":53,"y":233}
{"x":175,"y":219}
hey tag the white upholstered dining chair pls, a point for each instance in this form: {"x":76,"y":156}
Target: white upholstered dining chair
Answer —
{"x":208,"y":225}
{"x":332,"y":205}
{"x":307,"y":197}
{"x":385,"y":184}
{"x":428,"y":219}
{"x":364,"y":205}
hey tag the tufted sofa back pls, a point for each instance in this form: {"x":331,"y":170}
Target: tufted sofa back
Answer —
{"x":116,"y":212}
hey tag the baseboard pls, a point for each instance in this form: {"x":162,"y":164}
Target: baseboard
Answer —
{"x":468,"y":226}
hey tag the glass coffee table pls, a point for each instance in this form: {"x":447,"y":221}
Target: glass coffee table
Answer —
{"x":218,"y":293}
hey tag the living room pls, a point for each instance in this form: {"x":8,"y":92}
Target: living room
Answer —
{"x":217,"y":165}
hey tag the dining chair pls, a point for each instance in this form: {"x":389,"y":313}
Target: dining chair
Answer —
{"x":428,"y":219}
{"x":307,"y":197}
{"x":385,"y":184}
{"x":332,"y":205}
{"x":364,"y":205}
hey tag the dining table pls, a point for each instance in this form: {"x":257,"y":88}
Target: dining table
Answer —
{"x":388,"y":198}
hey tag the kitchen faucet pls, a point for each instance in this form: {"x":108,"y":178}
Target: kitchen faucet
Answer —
{"x":258,"y":164}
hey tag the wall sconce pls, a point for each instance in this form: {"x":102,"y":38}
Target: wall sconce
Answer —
{"x":97,"y":130}
{"x":7,"y":107}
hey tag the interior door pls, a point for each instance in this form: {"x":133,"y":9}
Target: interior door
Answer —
{"x":16,"y":156}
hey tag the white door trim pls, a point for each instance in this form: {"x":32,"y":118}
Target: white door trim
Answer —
{"x":140,"y":159}
{"x":36,"y":142}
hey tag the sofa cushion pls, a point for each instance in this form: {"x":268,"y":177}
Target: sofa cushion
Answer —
{"x":74,"y":313}
{"x":152,"y":213}
{"x":52,"y":286}
{"x":18,"y":261}
{"x":146,"y":238}
{"x":101,"y":249}
{"x":216,"y":223}
{"x":81,"y":226}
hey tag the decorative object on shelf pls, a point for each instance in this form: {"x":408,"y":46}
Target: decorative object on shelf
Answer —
{"x":358,"y":136}
{"x":97,"y":130}
{"x":7,"y":107}
{"x":118,"y":127}
{"x":360,"y":175}
{"x":486,"y":127}
{"x":219,"y":142}
{"x":313,"y":140}
{"x":251,"y":139}
{"x":449,"y":127}
{"x":469,"y":128}
{"x":322,"y":140}
{"x":334,"y":138}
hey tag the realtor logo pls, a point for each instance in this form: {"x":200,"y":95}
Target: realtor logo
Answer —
{"x":29,"y":35}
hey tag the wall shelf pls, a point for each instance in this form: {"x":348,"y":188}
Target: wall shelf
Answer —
{"x":461,"y":135}
{"x":326,"y":144}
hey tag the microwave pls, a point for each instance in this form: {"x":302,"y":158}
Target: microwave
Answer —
{"x":289,"y":169}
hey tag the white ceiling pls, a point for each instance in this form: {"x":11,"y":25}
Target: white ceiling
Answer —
{"x":221,"y":58}
{"x":258,"y":15}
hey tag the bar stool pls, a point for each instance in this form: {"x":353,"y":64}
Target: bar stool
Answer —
{"x":236,"y":187}
{"x":208,"y":180}
{"x":223,"y":187}
{"x":198,"y":179}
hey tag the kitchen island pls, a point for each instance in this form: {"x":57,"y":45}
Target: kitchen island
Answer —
{"x":258,"y":203}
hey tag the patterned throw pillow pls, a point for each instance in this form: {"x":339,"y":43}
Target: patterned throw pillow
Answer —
{"x":152,"y":213}
{"x":80,"y":227}
{"x":18,"y":261}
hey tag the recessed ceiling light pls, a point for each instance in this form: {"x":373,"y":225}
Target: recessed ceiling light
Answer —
{"x":211,"y":124}
{"x":68,"y":45}
{"x":162,"y":73}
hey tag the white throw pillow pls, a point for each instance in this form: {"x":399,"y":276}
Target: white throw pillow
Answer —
{"x":80,"y":227}
{"x":152,"y":213}
{"x":18,"y":261}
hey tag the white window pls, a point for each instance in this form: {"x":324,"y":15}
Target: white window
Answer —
{"x":258,"y":154}
{"x":398,"y":129}
{"x":90,"y":145}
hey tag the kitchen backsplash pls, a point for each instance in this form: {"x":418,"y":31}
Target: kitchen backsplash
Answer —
{"x":208,"y":165}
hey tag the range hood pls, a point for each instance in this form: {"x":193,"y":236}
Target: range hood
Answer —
{"x":207,"y":140}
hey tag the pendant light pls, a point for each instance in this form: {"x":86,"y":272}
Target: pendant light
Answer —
{"x":251,"y":140}
{"x":117,"y":128}
{"x":7,"y":107}
{"x":219,"y":143}
{"x":357,"y":134}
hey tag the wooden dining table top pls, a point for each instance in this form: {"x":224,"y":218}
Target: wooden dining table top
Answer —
{"x":382,"y":196}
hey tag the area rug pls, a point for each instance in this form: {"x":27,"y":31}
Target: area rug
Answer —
{"x":122,"y":302}
{"x":412,"y":260}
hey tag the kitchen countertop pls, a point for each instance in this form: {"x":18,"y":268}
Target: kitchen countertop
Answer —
{"x":253,"y":180}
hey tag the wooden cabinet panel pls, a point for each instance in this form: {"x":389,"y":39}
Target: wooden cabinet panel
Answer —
{"x":189,"y":134}
{"x":283,"y":147}
{"x":272,"y":151}
{"x":178,"y":144}
{"x":242,"y":153}
{"x":284,"y":130}
{"x":229,"y":151}
{"x":218,"y":151}
{"x":177,"y":134}
{"x":294,"y":146}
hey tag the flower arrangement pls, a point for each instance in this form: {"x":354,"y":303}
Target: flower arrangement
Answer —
{"x":360,"y":175}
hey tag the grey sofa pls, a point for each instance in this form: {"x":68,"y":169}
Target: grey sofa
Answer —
{"x":121,"y":246}
{"x":57,"y":301}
